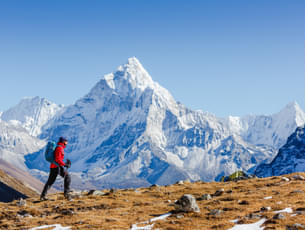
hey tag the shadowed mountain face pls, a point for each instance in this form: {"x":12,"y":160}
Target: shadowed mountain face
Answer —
{"x":290,"y":158}
{"x":8,"y":194}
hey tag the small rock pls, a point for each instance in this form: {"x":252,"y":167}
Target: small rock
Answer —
{"x":278,"y":216}
{"x":299,"y":226}
{"x":300,"y":211}
{"x":23,"y":214}
{"x":96,"y":193}
{"x":219,"y":192}
{"x":67,"y":212}
{"x":180,"y":216}
{"x":21,"y":202}
{"x":180,"y":182}
{"x":298,"y":177}
{"x":297,"y":191}
{"x":187,"y":203}
{"x":229,"y":191}
{"x":295,"y":227}
{"x":285,"y":179}
{"x":215,"y":212}
{"x":205,"y":197}
{"x":265,"y":209}
{"x":243,"y":202}
{"x":252,"y":216}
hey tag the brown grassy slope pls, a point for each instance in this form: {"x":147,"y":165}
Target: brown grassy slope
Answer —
{"x":16,"y":184}
{"x":122,"y":208}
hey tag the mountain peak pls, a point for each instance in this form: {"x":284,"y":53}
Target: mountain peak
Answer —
{"x":131,"y":72}
{"x":293,"y":110}
{"x":293,"y":106}
{"x":31,"y":113}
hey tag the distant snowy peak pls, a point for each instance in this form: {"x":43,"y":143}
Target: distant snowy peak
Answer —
{"x":272,"y":130}
{"x":15,"y":142}
{"x":31,"y":113}
{"x":293,"y":112}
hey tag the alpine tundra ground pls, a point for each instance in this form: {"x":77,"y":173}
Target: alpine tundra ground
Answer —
{"x":242,"y":202}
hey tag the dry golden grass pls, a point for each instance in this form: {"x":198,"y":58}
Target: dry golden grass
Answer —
{"x":121,"y":209}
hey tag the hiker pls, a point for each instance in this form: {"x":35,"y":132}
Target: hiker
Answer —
{"x":61,"y":169}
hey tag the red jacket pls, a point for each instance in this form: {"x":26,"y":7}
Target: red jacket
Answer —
{"x":59,"y":155}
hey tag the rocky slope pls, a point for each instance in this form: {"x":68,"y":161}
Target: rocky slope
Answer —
{"x":269,"y":203}
{"x":290,"y":158}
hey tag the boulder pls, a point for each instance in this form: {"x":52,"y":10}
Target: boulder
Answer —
{"x":187,"y":203}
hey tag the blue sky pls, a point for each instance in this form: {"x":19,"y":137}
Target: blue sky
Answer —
{"x":227,"y":57}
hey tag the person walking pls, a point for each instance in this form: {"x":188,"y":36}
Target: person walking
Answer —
{"x":60,"y":168}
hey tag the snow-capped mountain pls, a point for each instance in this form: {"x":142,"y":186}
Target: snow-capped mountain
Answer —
{"x":129,"y":131}
{"x":290,"y":158}
{"x":31,"y":114}
{"x":15,"y":143}
{"x":269,"y":130}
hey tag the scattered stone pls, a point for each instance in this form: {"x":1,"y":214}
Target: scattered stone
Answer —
{"x":187,"y":203}
{"x":298,"y":177}
{"x":243,"y":202}
{"x":297,"y":192}
{"x":215,"y":212}
{"x":21,"y":202}
{"x":96,"y":193}
{"x":270,"y":221}
{"x":23,"y":214}
{"x":295,"y":227}
{"x":300,"y":210}
{"x":229,"y":191}
{"x":252,"y":216}
{"x":205,"y":197}
{"x":111,"y":220}
{"x":265,"y":209}
{"x":285,"y":179}
{"x":219,"y":192}
{"x":67,"y":212}
{"x":279,"y":216}
{"x":180,"y":182}
{"x":180,"y":216}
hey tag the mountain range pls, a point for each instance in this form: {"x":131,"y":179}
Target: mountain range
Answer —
{"x":129,"y":131}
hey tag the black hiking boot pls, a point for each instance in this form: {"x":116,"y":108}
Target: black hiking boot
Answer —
{"x":68,"y":196}
{"x":43,"y":198}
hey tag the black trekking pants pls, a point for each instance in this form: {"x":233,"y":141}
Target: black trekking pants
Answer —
{"x":52,"y":177}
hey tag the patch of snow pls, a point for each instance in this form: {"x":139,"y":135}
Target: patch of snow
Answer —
{"x":234,"y":221}
{"x":162,"y":217}
{"x":288,"y":210}
{"x":56,"y":227}
{"x":149,"y":227}
{"x":255,"y":226}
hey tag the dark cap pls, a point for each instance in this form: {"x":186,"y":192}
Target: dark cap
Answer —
{"x":62,"y":140}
